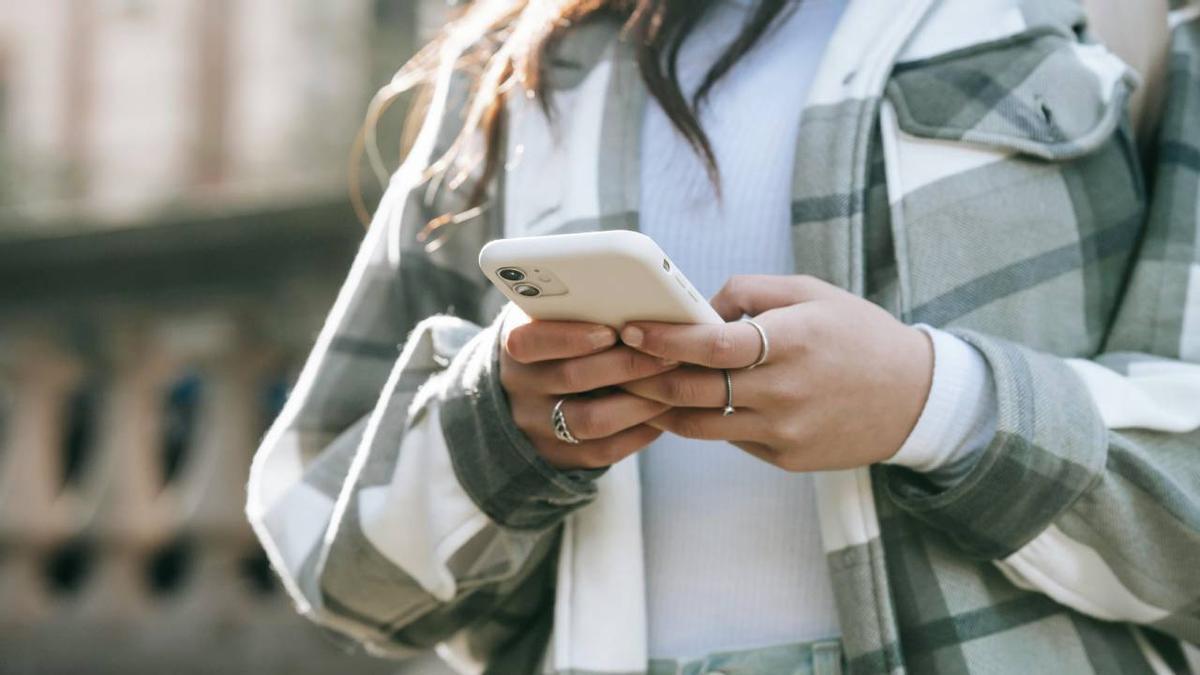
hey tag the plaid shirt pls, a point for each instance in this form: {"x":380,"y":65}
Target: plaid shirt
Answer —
{"x":963,"y":164}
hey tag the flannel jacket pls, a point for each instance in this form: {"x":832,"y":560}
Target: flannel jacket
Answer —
{"x":962,"y":163}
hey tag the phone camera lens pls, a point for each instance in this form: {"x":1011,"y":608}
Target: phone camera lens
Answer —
{"x":528,"y":290}
{"x":511,"y":274}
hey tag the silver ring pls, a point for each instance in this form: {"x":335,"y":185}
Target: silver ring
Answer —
{"x":766,"y":345}
{"x":559,"y":421}
{"x":728,"y":394}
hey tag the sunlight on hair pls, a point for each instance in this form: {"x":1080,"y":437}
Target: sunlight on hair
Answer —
{"x":498,"y":46}
{"x":512,"y":29}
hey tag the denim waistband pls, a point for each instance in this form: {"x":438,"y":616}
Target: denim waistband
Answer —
{"x":821,"y":657}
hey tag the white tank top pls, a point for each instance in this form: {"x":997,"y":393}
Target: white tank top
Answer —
{"x":733,"y":550}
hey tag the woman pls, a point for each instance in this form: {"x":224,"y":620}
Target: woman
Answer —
{"x":969,"y":444}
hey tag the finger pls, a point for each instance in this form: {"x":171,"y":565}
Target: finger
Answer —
{"x":594,"y":418}
{"x":712,"y":425}
{"x":690,"y":387}
{"x":753,"y":294}
{"x":538,"y":341}
{"x":606,"y":369}
{"x":599,"y":453}
{"x":729,"y":345}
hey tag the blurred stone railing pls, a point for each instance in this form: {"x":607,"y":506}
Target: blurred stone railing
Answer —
{"x":127,"y":425}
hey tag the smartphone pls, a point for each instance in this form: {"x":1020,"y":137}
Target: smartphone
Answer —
{"x":611,"y":278}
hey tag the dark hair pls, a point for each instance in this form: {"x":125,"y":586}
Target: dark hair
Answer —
{"x":503,"y":43}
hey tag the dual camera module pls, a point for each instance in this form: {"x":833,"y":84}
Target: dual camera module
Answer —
{"x":515,"y":275}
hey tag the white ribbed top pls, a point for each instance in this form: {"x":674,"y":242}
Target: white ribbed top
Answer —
{"x":733,"y":551}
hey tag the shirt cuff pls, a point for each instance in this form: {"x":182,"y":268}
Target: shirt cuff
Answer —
{"x":495,"y":462}
{"x":959,"y":418}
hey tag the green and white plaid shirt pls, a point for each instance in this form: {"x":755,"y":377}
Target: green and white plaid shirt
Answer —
{"x":961,"y":163}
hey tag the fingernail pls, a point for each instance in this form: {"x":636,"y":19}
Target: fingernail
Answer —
{"x":602,"y":338}
{"x":632,"y":336}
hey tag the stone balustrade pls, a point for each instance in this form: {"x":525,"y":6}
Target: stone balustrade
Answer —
{"x":123,"y":546}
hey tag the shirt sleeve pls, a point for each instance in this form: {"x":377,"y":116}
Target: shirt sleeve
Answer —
{"x":959,"y":417}
{"x":355,"y":492}
{"x":1090,"y":489}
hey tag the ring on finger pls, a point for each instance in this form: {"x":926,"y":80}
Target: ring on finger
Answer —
{"x":729,"y":409}
{"x":765,"y":344}
{"x":558,"y":421}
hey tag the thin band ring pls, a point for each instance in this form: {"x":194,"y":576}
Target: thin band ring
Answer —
{"x":764,"y":350}
{"x":559,"y":422}
{"x":729,"y":410}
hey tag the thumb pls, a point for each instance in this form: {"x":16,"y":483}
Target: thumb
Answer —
{"x":753,"y":294}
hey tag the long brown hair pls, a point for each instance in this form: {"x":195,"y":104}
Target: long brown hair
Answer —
{"x":503,"y":44}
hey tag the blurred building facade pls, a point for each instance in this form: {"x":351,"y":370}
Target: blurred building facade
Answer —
{"x":173,"y":227}
{"x":119,"y":109}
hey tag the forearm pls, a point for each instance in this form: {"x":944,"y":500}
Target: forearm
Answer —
{"x":1102,"y":520}
{"x":496,"y":463}
{"x":1128,"y":548}
{"x":380,"y":540}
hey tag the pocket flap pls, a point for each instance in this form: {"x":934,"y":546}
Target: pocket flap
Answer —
{"x":1040,"y":93}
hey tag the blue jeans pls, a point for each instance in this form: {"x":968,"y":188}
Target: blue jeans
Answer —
{"x":823,"y":657}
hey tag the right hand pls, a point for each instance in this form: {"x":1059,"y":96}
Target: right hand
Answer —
{"x":544,"y":361}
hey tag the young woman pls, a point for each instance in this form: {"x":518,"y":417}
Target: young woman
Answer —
{"x":966,"y":409}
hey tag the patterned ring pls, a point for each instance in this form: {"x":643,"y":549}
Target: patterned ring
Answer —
{"x":559,"y":421}
{"x":764,"y":350}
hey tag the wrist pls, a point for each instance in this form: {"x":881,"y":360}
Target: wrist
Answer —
{"x":494,"y":460}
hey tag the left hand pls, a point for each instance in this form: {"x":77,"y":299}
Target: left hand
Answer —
{"x":843,"y":384}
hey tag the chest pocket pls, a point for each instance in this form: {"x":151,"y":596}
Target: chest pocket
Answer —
{"x":1016,"y":194}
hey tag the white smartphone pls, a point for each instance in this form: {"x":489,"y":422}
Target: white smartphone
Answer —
{"x":610,"y":278}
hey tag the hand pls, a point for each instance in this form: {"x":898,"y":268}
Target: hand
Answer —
{"x":843,"y":385}
{"x":544,"y":361}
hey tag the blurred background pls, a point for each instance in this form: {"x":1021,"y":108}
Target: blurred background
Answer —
{"x":174,"y":224}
